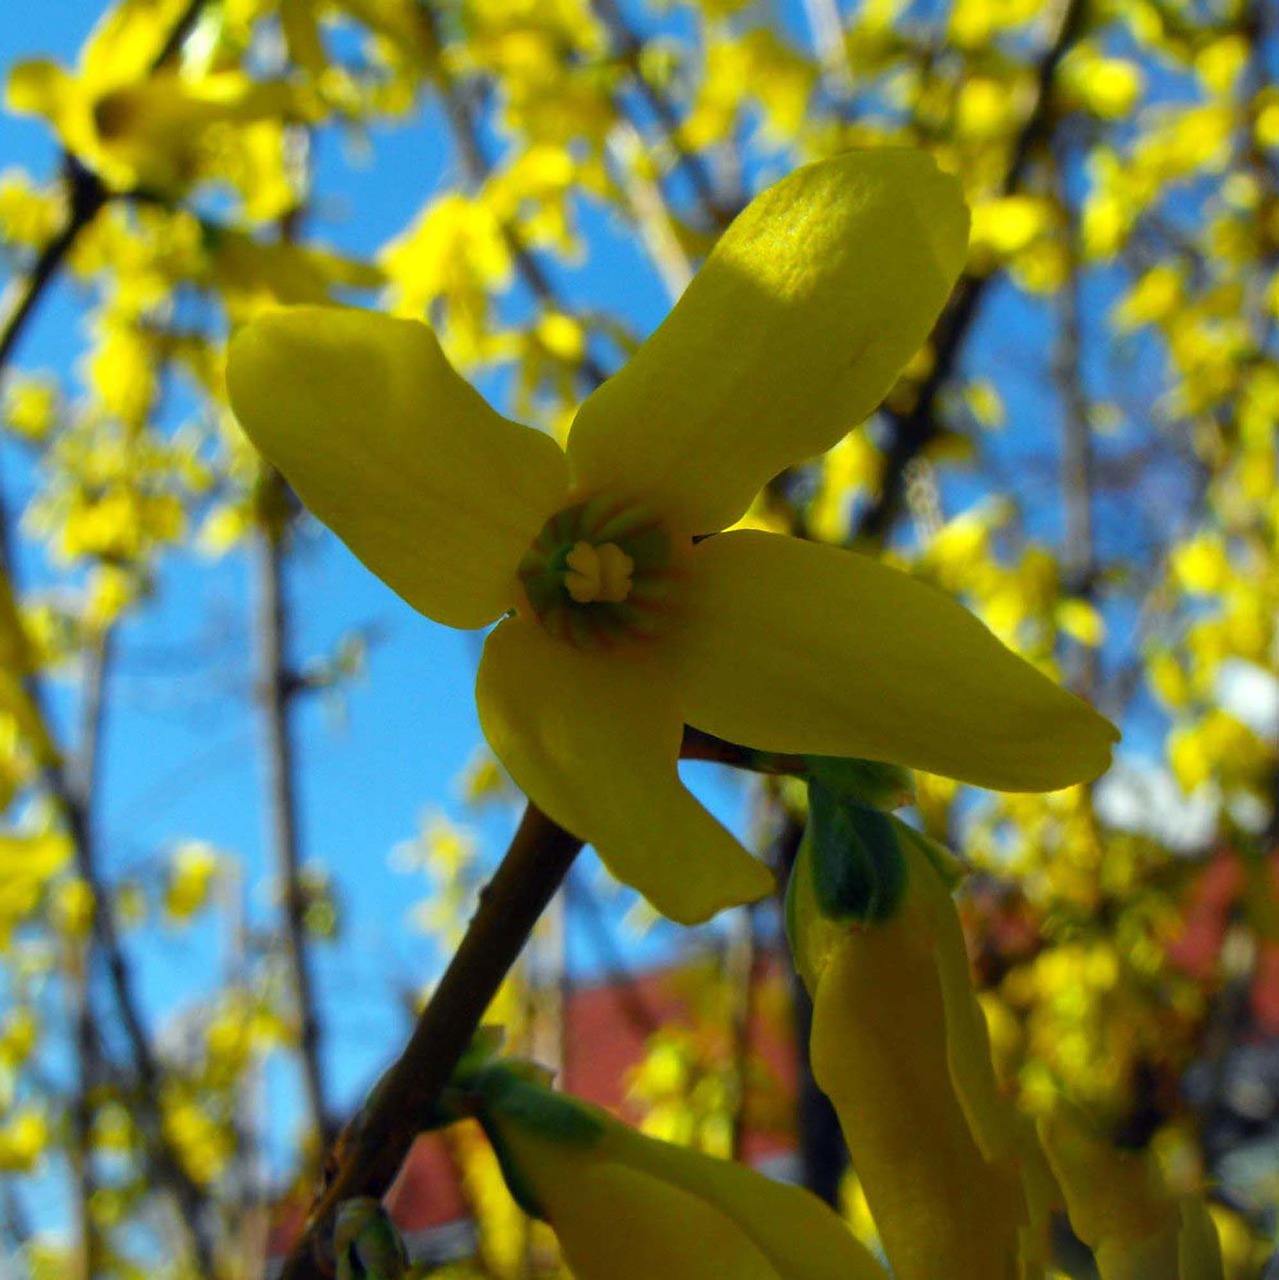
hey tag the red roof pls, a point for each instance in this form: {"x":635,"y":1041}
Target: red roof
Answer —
{"x":1226,"y":889}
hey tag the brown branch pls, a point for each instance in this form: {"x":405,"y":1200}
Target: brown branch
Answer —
{"x":1078,"y":459}
{"x":85,"y":198}
{"x":915,"y":428}
{"x":740,"y":955}
{"x":375,"y":1143}
{"x":277,"y":688}
{"x":86,"y":195}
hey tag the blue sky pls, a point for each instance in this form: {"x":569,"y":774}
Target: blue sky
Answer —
{"x":180,"y":754}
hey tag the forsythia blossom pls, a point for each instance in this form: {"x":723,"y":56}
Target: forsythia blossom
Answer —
{"x":621,"y":621}
{"x":134,"y":124}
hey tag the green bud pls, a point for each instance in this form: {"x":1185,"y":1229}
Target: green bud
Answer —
{"x":859,"y":871}
{"x":366,"y":1244}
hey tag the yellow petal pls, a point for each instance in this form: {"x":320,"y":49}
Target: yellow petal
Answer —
{"x":879,"y":1053}
{"x":154,"y":131}
{"x":406,"y":463}
{"x":592,"y":738}
{"x":1199,"y":1246}
{"x":38,"y":87}
{"x":798,"y":1234}
{"x":126,"y":41}
{"x":992,"y":1118}
{"x":617,"y":1224}
{"x":789,"y":336}
{"x":1003,"y":1135}
{"x":1117,"y":1202}
{"x":798,"y":647}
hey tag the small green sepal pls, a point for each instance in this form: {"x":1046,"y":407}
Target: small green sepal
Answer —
{"x":366,"y":1244}
{"x":870,"y":783}
{"x":859,"y":870}
{"x":516,"y":1094}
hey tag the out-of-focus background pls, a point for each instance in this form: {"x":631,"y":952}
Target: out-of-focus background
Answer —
{"x":247,"y":803}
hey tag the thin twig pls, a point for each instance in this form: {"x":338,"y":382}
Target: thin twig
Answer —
{"x":86,"y":196}
{"x":914,"y":429}
{"x":718,"y":209}
{"x":83,"y":1173}
{"x":277,"y":685}
{"x":149,"y":1076}
{"x":374,"y":1145}
{"x":648,"y":210}
{"x":619,"y":979}
{"x":740,"y":956}
{"x":1078,"y":469}
{"x":93,"y":705}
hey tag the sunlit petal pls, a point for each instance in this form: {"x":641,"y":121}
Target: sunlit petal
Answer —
{"x":37,"y":87}
{"x":407,"y":464}
{"x":799,"y":647}
{"x":592,"y":737}
{"x":787,"y":338}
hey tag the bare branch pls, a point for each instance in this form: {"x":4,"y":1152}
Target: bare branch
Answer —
{"x":276,"y":689}
{"x":374,"y":1144}
{"x":914,"y":429}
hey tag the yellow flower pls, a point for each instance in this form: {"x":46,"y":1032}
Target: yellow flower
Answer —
{"x":135,"y":127}
{"x":628,"y":1207}
{"x":621,"y":621}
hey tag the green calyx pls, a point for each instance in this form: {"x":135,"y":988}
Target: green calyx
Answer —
{"x":513,"y":1097}
{"x":859,"y":871}
{"x":869,"y":783}
{"x":852,"y":871}
{"x":600,"y":521}
{"x":516,"y":1093}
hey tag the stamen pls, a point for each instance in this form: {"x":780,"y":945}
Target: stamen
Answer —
{"x":598,"y":573}
{"x":616,"y":568}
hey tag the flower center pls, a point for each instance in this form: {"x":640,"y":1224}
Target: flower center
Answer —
{"x":600,"y":571}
